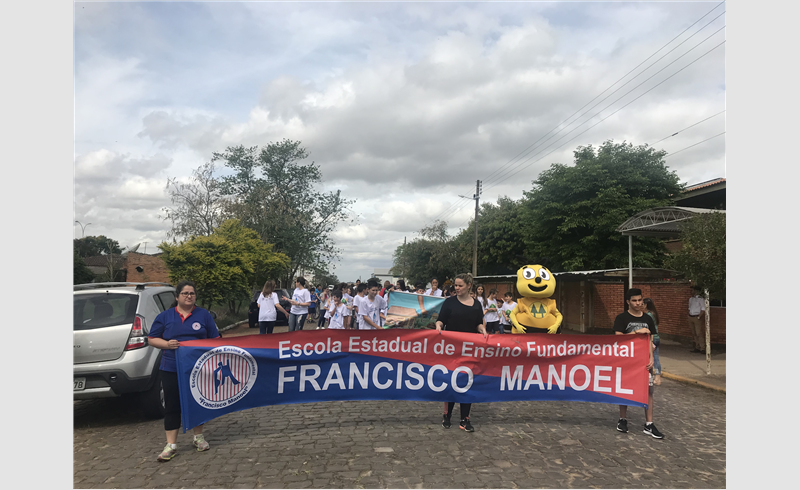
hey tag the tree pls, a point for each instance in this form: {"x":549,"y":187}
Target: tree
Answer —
{"x":198,"y":206}
{"x":323,"y":277}
{"x":81,"y":274}
{"x":702,"y":255}
{"x":433,"y":254}
{"x":501,"y":237}
{"x":225,"y":266}
{"x":95,"y":245}
{"x":702,"y":259}
{"x":276,"y":195}
{"x":572,"y":212}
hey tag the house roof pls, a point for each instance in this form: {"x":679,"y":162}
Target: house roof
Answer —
{"x":705,"y":184}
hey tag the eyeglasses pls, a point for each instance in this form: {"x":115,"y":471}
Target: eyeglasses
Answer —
{"x":189,"y":294}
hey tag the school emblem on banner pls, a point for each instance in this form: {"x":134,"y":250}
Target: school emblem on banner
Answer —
{"x":223,"y":376}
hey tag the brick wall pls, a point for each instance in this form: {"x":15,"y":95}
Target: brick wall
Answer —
{"x":155,"y":270}
{"x":604,"y":301}
{"x":671,"y":300}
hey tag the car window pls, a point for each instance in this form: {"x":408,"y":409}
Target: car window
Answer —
{"x":100,"y":310}
{"x":159,"y":304}
{"x":167,"y":299}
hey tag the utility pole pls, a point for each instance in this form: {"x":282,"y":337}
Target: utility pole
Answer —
{"x":477,"y":197}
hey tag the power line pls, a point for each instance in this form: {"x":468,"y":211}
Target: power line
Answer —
{"x":618,"y":99}
{"x":691,"y":146}
{"x":687,"y":127}
{"x":454,"y":208}
{"x":488,"y":180}
{"x":600,"y":121}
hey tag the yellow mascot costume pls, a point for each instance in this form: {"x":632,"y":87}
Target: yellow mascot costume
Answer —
{"x":535,"y":311}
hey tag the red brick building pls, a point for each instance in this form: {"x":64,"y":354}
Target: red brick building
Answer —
{"x":130,"y":267}
{"x":152,"y":267}
{"x":590,"y":300}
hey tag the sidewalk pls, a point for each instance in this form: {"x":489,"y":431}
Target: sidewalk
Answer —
{"x":681,"y":365}
{"x":677,"y":363}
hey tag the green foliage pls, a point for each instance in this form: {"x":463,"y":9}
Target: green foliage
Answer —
{"x":324,"y":278}
{"x":702,"y":256}
{"x":572,"y":212}
{"x":226,"y":265}
{"x":501,"y":238}
{"x":95,"y":245}
{"x":433,"y":254}
{"x":80,"y":273}
{"x":276,"y":195}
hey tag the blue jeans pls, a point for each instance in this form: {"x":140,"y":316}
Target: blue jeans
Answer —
{"x":266,"y":327}
{"x":656,"y":360}
{"x":296,"y":322}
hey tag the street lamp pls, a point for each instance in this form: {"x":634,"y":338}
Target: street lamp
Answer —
{"x":83,"y":227}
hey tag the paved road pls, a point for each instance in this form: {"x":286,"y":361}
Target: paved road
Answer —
{"x":401,"y":445}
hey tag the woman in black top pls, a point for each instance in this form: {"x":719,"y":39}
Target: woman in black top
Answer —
{"x":461,"y":313}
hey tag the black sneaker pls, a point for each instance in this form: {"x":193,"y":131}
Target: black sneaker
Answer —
{"x":651,"y":429}
{"x":465,"y":425}
{"x":622,"y":425}
{"x":446,"y":421}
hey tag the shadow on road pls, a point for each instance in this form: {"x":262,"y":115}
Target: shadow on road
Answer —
{"x":107,"y":412}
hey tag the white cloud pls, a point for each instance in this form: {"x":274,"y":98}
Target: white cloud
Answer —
{"x":403,"y":105}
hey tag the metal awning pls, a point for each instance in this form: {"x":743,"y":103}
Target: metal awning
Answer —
{"x":657,"y":222}
{"x":660,"y":222}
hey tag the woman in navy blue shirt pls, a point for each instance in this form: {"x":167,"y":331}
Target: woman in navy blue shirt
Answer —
{"x":183,"y":322}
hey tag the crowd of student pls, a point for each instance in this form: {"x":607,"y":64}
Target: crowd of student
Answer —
{"x":363,"y":305}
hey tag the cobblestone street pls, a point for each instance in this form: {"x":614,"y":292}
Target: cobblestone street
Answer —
{"x":401,"y":444}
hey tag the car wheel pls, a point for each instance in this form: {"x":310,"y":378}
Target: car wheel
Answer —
{"x":153,"y":399}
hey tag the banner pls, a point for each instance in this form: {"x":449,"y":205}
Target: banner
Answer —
{"x":409,"y":310}
{"x":224,"y":375}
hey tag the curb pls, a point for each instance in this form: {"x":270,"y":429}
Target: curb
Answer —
{"x":232,"y":326}
{"x":682,"y":379}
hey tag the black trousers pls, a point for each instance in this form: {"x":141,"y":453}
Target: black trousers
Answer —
{"x":172,"y":400}
{"x":465,"y":408}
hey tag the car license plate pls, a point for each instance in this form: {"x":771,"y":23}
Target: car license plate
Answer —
{"x":78,"y":384}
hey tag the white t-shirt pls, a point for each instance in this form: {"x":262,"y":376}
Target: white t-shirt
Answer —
{"x":507,"y":307}
{"x":438,"y":292}
{"x":266,"y":307}
{"x":492,"y":316}
{"x":372,"y":310}
{"x":337,"y":316}
{"x":328,"y":307}
{"x":356,"y":305}
{"x":301,"y":296}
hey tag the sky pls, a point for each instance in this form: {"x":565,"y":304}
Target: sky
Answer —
{"x":402,"y":105}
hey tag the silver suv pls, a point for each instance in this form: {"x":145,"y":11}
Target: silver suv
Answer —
{"x":111,"y":356}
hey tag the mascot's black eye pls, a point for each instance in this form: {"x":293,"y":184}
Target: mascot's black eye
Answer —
{"x":544,"y":274}
{"x":528,"y":273}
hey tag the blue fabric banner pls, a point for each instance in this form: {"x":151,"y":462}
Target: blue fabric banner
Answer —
{"x":219,"y":376}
